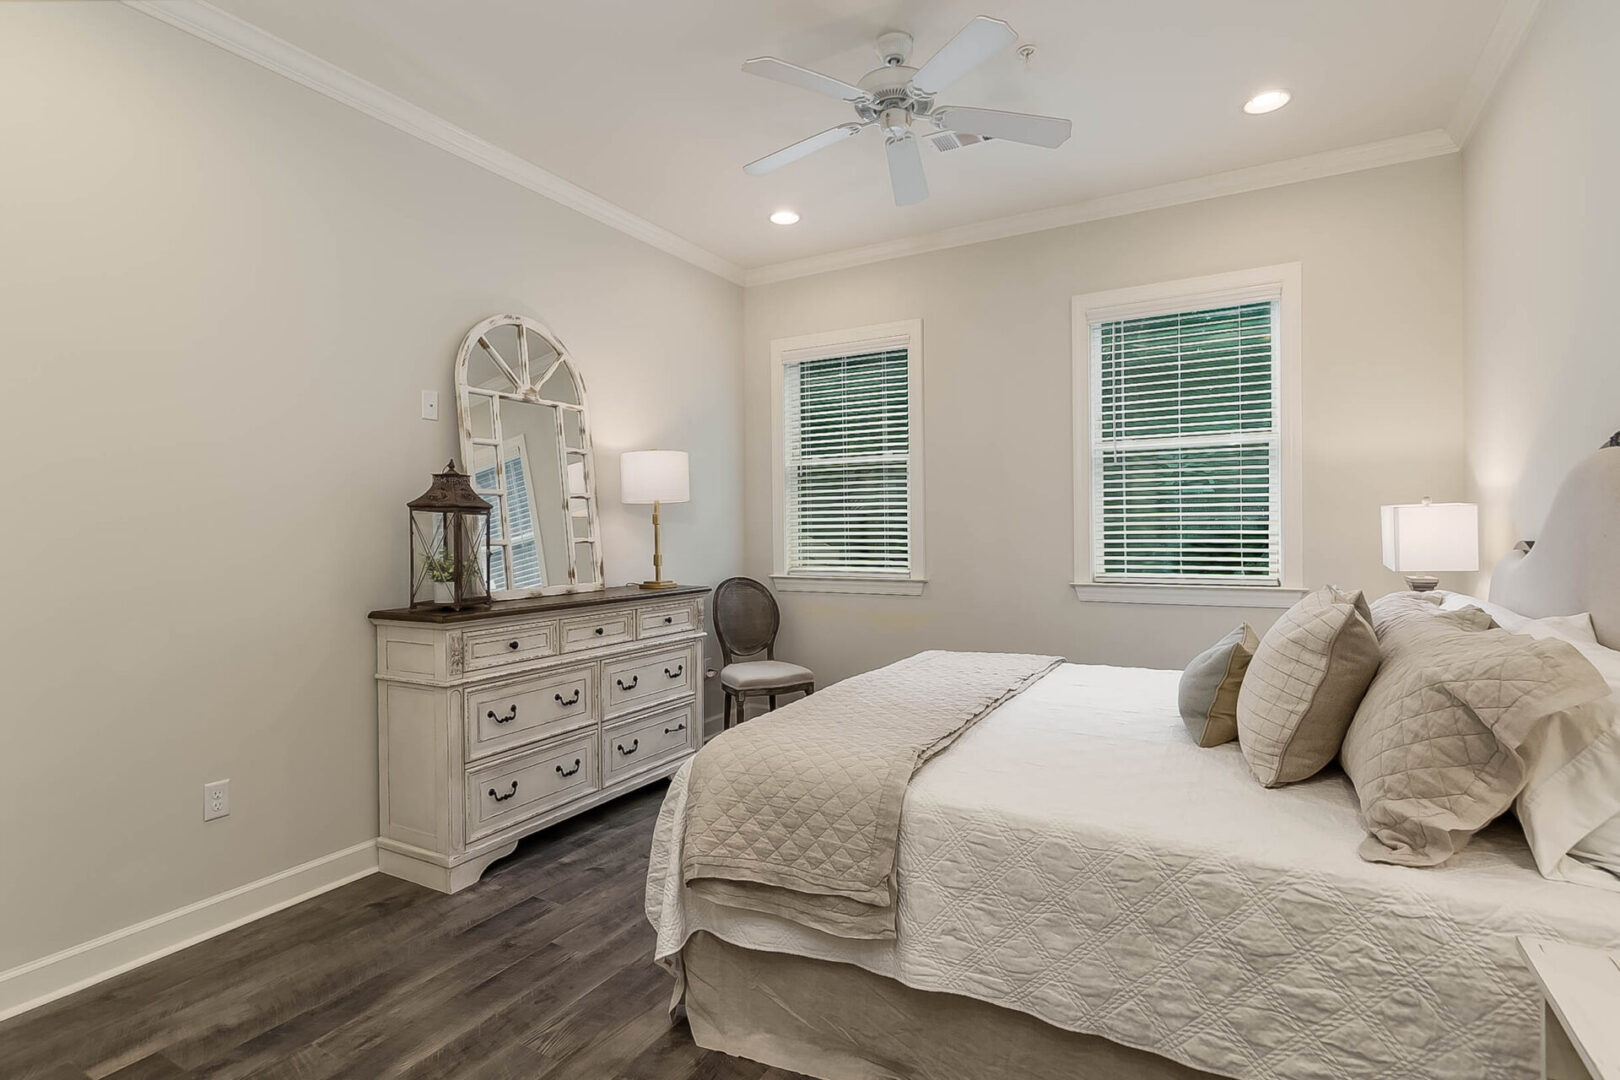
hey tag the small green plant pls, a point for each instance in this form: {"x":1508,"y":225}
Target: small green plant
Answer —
{"x":441,"y":566}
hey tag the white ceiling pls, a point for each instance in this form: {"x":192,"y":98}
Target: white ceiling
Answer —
{"x":643,"y":102}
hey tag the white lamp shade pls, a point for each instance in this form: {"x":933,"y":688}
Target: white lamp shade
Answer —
{"x":1421,"y":538}
{"x":576,"y":478}
{"x":647,"y":476}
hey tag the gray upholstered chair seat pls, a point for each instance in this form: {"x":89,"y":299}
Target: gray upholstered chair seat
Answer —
{"x":764,"y":675}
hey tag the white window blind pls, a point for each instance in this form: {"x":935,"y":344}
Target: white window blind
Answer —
{"x":1187,"y":446}
{"x":846,"y":456}
{"x":525,"y":548}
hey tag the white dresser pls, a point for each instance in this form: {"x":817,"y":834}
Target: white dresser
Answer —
{"x":497,"y":722}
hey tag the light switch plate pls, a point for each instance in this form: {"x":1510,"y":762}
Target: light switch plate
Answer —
{"x":430,"y":404}
{"x":216,"y":800}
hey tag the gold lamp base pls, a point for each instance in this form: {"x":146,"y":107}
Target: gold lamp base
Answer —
{"x":658,"y":581}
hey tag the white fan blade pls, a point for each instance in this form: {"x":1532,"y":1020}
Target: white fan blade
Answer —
{"x":906,"y":171}
{"x":803,"y":148}
{"x":977,"y":42}
{"x":769,"y":67}
{"x":1048,"y":131}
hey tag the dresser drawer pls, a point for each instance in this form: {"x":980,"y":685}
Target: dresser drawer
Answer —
{"x":635,"y":682}
{"x":519,"y":787}
{"x":510,"y":645}
{"x":674,"y":618}
{"x":642,"y":744}
{"x":590,"y":631}
{"x":516,"y":713}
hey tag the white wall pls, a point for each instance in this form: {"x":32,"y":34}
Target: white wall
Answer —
{"x":220,"y":296}
{"x":1383,"y":400}
{"x":1542,"y":192}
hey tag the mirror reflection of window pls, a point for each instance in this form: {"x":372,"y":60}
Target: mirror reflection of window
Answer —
{"x":528,"y":566}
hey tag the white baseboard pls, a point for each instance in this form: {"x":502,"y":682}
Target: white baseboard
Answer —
{"x":31,"y":985}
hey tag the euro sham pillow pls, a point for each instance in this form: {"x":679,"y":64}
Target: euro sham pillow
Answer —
{"x":1434,"y":751}
{"x":1303,"y":685}
{"x":1209,"y":687}
{"x":1570,"y":805}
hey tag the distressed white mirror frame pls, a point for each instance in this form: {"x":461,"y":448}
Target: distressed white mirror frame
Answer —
{"x":524,"y":387}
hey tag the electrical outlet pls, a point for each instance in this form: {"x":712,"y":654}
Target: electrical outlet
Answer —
{"x":430,"y":404}
{"x":216,"y":800}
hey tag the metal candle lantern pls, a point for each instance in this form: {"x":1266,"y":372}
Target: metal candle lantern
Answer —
{"x":450,"y":544}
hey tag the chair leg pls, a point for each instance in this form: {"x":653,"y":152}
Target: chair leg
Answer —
{"x":773,"y":702}
{"x":725,"y":724}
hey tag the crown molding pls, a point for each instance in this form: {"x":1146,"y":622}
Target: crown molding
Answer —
{"x":1375,"y":155}
{"x":1500,"y":49}
{"x":286,"y":59}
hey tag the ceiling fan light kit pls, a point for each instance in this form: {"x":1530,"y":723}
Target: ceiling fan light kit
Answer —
{"x":895,"y":97}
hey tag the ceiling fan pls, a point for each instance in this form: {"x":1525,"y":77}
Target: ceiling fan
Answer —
{"x":894,"y":97}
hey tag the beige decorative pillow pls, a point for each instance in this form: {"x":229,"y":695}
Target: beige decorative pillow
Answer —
{"x":1209,"y":687}
{"x":1434,"y":751}
{"x":1303,"y":685}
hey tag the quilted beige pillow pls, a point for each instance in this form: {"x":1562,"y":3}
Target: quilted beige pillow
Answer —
{"x":1303,"y":685}
{"x":1434,"y":751}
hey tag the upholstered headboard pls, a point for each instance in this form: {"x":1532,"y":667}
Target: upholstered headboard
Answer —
{"x":1574,"y":565}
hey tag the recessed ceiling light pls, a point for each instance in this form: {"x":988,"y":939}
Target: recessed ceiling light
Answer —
{"x":1266,"y":101}
{"x":785,"y":217}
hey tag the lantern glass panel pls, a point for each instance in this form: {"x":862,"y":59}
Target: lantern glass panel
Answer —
{"x":449,"y":552}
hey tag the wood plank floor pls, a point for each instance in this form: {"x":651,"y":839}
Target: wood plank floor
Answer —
{"x":541,"y":971}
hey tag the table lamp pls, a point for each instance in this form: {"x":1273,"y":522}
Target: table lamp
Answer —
{"x":1420,"y":538}
{"x":654,"y":476}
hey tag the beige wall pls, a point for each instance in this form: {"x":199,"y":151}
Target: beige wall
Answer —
{"x":1542,"y":192}
{"x":220,"y":297}
{"x":1383,"y":406}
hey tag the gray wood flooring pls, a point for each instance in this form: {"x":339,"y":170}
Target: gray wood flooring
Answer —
{"x":542,"y":971}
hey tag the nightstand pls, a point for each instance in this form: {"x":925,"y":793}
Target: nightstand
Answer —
{"x":1580,"y":989}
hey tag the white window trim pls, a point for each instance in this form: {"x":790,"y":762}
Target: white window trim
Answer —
{"x":1283,"y":283}
{"x":848,"y":342}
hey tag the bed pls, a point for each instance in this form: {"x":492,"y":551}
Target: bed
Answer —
{"x":1086,"y":893}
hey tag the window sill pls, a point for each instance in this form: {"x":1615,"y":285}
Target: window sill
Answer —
{"x":870,"y":586}
{"x":1240,"y":596}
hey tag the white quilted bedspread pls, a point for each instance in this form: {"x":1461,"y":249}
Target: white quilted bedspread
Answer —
{"x":1075,"y":856}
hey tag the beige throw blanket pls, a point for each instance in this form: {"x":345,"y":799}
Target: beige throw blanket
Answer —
{"x":797,"y":813}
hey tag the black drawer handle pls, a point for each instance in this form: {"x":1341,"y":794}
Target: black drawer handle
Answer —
{"x":568,"y":701}
{"x":634,"y":679}
{"x":680,"y":669}
{"x":673,"y":730}
{"x":599,"y":631}
{"x":508,"y":718}
{"x":568,"y":772}
{"x":634,"y":743}
{"x":668,"y":619}
{"x":502,"y":798}
{"x":512,"y":645}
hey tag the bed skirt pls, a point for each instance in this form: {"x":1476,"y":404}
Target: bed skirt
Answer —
{"x":839,"y":1022}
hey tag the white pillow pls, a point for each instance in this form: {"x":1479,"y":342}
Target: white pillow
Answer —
{"x":1570,"y":806}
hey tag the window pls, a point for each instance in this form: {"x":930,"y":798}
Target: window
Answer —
{"x":848,"y":478}
{"x":1184,"y":441}
{"x":527,"y":572}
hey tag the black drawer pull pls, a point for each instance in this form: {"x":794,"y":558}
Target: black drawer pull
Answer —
{"x":634,"y":743}
{"x":598,"y":631}
{"x":568,"y":701}
{"x":680,"y":669}
{"x":508,"y":718}
{"x":512,"y":645}
{"x":568,"y":772}
{"x":502,"y":798}
{"x":668,"y":619}
{"x":673,"y":730}
{"x":634,"y":679}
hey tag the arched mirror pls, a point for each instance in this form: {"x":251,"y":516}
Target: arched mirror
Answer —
{"x":526,"y":439}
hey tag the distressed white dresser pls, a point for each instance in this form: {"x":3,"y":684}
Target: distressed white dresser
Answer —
{"x":497,"y":722}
